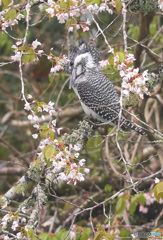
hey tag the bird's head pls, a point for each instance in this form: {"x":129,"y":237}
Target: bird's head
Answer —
{"x":82,"y":63}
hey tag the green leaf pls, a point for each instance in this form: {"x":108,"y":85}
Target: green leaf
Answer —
{"x":138,"y":198}
{"x":28,"y":56}
{"x":49,"y":152}
{"x":89,"y":2}
{"x":121,"y":56}
{"x":84,"y":236}
{"x":141,"y":199}
{"x":107,"y":188}
{"x":51,"y":135}
{"x":11,"y":14}
{"x":98,"y":235}
{"x":158,"y":191}
{"x":31,"y":233}
{"x":44,"y":133}
{"x":6,"y":3}
{"x":40,"y":104}
{"x":64,"y":4}
{"x":44,"y":127}
{"x":132,"y":207}
{"x":43,"y":236}
{"x":120,"y":206}
{"x":118,"y":5}
{"x":72,"y":3}
{"x":124,"y":233}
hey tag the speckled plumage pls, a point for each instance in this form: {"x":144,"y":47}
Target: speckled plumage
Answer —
{"x":96,"y":93}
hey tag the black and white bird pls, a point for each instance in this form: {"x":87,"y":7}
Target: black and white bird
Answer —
{"x":98,"y":96}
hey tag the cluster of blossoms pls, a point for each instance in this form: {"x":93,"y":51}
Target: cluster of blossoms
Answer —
{"x":160,"y":4}
{"x":27,"y":50}
{"x":16,"y":222}
{"x":10,"y":22}
{"x":62,"y":158}
{"x":149,"y":199}
{"x":68,"y":11}
{"x":58,"y":61}
{"x":38,"y":109}
{"x":132,"y":81}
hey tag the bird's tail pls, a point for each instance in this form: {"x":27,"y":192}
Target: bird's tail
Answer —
{"x":133,"y":126}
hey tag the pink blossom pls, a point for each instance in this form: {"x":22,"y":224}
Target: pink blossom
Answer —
{"x":150,"y":199}
{"x":19,"y":235}
{"x":76,"y":148}
{"x":35,"y":44}
{"x":27,"y":106}
{"x":82,"y":162}
{"x":160,"y":4}
{"x":50,"y":11}
{"x":85,"y":29}
{"x":104,"y":63}
{"x":86,"y":170}
{"x":56,"y":68}
{"x":88,"y":22}
{"x":15,"y":225}
{"x":143,"y":209}
{"x":63,"y":17}
{"x":72,"y":235}
{"x":16,"y":57}
{"x":54,"y":122}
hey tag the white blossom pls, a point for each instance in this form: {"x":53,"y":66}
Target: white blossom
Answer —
{"x":70,"y":29}
{"x":82,"y":162}
{"x":35,"y":136}
{"x":35,"y":44}
{"x":63,"y":17}
{"x":19,"y":235}
{"x":27,"y":106}
{"x":20,"y":16}
{"x":160,"y":4}
{"x":59,"y":131}
{"x":6,"y":237}
{"x":157,"y":180}
{"x":50,"y":11}
{"x":29,"y":96}
{"x":30,"y":117}
{"x":16,"y":57}
{"x":15,"y":225}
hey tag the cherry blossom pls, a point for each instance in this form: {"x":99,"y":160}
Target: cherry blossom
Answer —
{"x":160,"y":4}
{"x":35,"y":44}
{"x":143,"y":209}
{"x":35,"y":136}
{"x":16,"y":57}
{"x":51,"y":12}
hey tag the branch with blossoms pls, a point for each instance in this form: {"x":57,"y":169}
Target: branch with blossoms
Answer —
{"x":57,"y":161}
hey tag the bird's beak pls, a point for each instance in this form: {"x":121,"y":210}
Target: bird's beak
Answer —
{"x":72,"y":78}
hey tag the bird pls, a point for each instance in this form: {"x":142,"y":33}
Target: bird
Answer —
{"x":98,"y":96}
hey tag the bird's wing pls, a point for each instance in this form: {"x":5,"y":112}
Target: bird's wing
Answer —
{"x":99,"y":94}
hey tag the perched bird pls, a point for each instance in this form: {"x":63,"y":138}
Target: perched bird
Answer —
{"x":97,"y":94}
